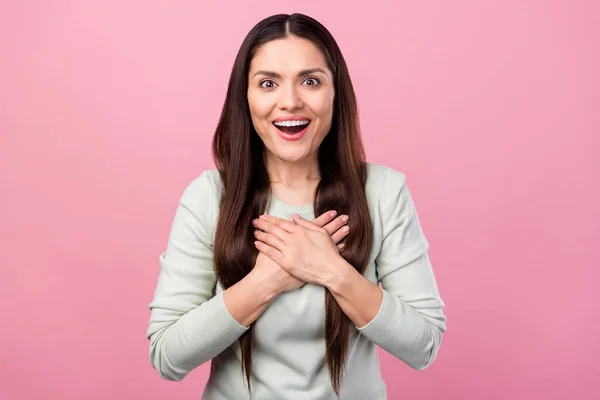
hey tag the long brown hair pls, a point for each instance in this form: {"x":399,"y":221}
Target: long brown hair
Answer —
{"x":238,"y":155}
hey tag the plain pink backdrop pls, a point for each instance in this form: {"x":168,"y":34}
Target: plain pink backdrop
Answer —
{"x":491,"y":108}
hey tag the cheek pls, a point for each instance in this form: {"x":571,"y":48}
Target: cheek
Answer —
{"x":323,"y":106}
{"x":259,"y":111}
{"x":255,"y":109}
{"x":324,"y":109}
{"x":260,"y":107}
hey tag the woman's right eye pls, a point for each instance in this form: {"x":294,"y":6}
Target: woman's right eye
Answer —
{"x":271,"y":84}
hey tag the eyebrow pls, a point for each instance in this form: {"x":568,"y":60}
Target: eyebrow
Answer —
{"x":304,"y":72}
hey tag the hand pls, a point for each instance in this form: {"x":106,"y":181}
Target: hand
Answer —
{"x":334,"y":228}
{"x":305,"y":250}
{"x":267,"y":270}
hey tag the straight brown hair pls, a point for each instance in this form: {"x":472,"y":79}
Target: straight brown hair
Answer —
{"x":238,"y":154}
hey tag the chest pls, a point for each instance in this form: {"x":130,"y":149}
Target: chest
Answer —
{"x":298,"y":315}
{"x":294,"y":316}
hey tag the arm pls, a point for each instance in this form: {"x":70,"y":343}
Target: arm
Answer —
{"x":406,"y":317}
{"x":188,"y":326}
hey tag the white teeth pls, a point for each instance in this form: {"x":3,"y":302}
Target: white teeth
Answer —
{"x":292,"y":123}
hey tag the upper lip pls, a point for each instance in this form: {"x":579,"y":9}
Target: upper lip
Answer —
{"x":292,"y":118}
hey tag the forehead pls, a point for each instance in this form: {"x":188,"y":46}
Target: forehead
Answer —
{"x":287,"y":56}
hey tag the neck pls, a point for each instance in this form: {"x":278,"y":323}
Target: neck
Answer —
{"x":292,"y":174}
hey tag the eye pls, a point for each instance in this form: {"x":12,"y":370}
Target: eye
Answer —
{"x":312,"y":81}
{"x":272,"y":84}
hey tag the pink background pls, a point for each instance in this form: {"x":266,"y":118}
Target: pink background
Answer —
{"x":491,"y":108}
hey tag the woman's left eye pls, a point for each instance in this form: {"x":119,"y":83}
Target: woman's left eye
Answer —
{"x":314,"y":81}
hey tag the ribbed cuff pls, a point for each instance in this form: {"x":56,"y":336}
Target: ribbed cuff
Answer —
{"x":218,"y":329}
{"x":376,"y":316}
{"x":395,"y":327}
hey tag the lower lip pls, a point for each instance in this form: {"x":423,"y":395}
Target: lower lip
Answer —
{"x":294,"y":137}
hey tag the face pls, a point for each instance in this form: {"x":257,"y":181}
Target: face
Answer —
{"x":289,"y":85}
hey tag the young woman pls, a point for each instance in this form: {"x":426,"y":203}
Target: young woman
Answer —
{"x":286,"y":305}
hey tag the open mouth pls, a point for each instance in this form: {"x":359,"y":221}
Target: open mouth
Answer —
{"x":292,"y":127}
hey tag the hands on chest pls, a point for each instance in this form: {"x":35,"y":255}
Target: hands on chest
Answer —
{"x":299,"y":251}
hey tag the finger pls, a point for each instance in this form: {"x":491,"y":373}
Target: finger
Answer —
{"x":340,"y":234}
{"x":270,"y":227}
{"x":341,"y":246}
{"x":336,"y":224}
{"x":269,"y":251}
{"x":324,"y":218}
{"x":269,"y":239}
{"x":306,"y":224}
{"x":287,"y":226}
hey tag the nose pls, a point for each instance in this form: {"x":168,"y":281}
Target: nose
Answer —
{"x":289,"y":98}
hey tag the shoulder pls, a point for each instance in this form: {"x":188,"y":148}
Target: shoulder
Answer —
{"x":206,"y":183}
{"x":383,"y":180}
{"x":394,"y":203}
{"x":201,"y":194}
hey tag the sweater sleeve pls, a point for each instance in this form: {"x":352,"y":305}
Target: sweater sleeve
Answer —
{"x":410,"y":321}
{"x":188,"y":326}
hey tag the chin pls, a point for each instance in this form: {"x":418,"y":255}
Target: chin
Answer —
{"x":291,"y":156}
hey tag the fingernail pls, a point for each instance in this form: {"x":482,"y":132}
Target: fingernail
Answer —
{"x":333,"y":213}
{"x":254,"y":222}
{"x":345,"y":218}
{"x":263,"y":217}
{"x":294,"y":215}
{"x":346,"y":229}
{"x":342,"y":245}
{"x":256,"y":243}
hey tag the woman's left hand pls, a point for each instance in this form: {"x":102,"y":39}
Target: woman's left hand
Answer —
{"x":303,"y":249}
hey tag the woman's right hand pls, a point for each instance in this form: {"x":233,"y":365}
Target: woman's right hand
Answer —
{"x":282,"y":281}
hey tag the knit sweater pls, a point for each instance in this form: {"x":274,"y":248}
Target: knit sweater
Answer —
{"x":190,"y":326}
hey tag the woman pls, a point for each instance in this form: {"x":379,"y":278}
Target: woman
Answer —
{"x":286,"y":305}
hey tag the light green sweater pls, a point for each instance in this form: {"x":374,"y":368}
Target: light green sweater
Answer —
{"x":188,"y":326}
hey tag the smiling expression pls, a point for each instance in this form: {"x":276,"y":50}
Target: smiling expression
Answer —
{"x":290,"y":95}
